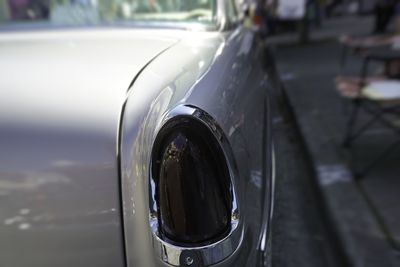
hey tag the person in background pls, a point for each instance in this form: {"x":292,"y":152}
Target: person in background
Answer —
{"x":384,"y":11}
{"x":29,"y":9}
{"x":270,"y":16}
{"x":319,"y":11}
{"x":18,"y":9}
{"x":314,"y":11}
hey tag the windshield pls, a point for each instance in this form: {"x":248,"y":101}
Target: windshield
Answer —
{"x":158,"y":13}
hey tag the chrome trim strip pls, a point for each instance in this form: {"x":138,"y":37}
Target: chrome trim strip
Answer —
{"x":217,"y":251}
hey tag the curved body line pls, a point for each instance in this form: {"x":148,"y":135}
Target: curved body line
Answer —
{"x":118,"y":147}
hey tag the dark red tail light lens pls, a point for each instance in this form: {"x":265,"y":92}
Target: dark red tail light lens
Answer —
{"x":192,"y":184}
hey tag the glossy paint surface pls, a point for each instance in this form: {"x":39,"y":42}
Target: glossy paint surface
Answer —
{"x":219,"y":73}
{"x":61,"y":96}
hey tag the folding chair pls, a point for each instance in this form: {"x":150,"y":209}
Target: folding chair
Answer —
{"x":383,"y":105}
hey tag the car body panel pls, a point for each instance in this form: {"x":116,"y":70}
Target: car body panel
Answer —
{"x":80,"y":111}
{"x":62,"y":94}
{"x":219,"y":73}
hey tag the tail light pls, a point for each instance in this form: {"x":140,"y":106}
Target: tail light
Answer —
{"x":191,"y":183}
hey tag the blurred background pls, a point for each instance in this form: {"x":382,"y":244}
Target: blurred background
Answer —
{"x":339,"y":65}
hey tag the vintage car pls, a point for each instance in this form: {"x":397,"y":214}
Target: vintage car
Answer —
{"x":133,"y":133}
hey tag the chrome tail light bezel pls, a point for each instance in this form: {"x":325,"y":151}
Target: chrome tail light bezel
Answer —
{"x":205,"y":255}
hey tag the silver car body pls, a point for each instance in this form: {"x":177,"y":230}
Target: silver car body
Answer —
{"x":79,"y":112}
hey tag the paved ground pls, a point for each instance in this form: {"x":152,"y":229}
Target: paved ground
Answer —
{"x":301,"y":235}
{"x":308,"y":72}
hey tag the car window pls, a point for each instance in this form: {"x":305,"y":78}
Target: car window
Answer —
{"x":94,"y":12}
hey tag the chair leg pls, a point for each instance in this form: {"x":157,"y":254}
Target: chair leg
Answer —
{"x":345,"y":107}
{"x":362,"y":129}
{"x":350,"y":124}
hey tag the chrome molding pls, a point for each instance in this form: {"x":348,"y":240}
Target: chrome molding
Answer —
{"x":212,"y":253}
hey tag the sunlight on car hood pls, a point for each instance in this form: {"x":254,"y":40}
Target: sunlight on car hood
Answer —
{"x":71,"y":78}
